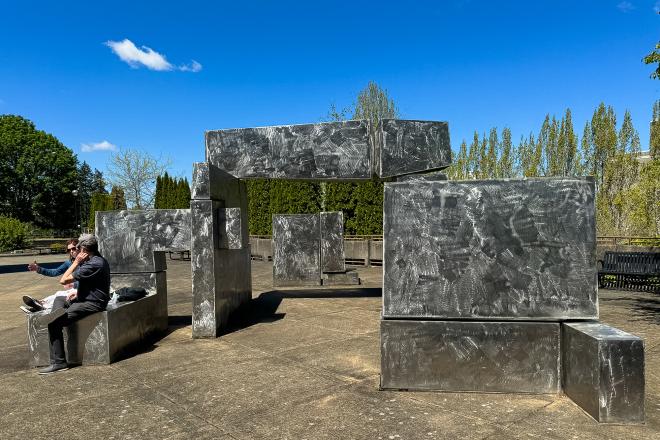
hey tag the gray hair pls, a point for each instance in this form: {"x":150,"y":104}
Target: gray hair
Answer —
{"x":88,"y":241}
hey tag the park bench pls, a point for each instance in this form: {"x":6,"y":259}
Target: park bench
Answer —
{"x":184,"y":255}
{"x":101,"y":338}
{"x":630,"y":270}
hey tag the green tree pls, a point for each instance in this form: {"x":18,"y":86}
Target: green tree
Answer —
{"x":569,"y":158}
{"x":374,"y":104}
{"x":654,"y":136}
{"x":473,"y":157}
{"x":459,"y":169}
{"x":490,"y":166}
{"x":654,"y":58}
{"x":603,"y":138}
{"x":118,"y":199}
{"x":506,"y":161}
{"x":37,"y":175}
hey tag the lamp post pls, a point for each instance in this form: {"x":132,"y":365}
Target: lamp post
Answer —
{"x":75,"y":207}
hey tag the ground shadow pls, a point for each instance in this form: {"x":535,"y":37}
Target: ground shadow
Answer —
{"x":645,"y":305}
{"x":364,"y":292}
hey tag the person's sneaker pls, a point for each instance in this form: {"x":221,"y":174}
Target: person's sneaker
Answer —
{"x":46,"y":318}
{"x":31,"y":302}
{"x":27,"y":309}
{"x":53,"y":369}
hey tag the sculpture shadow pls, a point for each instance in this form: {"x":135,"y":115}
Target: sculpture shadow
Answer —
{"x":645,"y":307}
{"x":364,"y":292}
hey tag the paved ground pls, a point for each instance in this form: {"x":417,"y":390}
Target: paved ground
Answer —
{"x":304,"y":365}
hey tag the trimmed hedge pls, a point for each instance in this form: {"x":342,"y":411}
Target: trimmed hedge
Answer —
{"x":14,"y":234}
{"x":361,"y":203}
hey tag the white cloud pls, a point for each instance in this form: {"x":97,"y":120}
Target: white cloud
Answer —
{"x":625,"y":6}
{"x":98,"y":146}
{"x":194,"y":66}
{"x":145,"y":56}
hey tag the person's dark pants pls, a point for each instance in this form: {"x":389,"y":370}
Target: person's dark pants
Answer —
{"x":74,"y":312}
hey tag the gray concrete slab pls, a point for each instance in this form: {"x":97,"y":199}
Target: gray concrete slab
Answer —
{"x":266,"y":379}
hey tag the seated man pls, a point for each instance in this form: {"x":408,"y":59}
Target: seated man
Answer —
{"x":92,"y":273}
{"x":34,"y":305}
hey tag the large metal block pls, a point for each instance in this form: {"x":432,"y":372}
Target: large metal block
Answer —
{"x":603,"y":371}
{"x":221,"y":278}
{"x":332,"y":242}
{"x":438,"y":175}
{"x":319,"y":151}
{"x":101,"y":338}
{"x":470,"y":356}
{"x":413,"y":146}
{"x":210,"y":182}
{"x":296,"y":250}
{"x":128,"y":239}
{"x":494,"y":249}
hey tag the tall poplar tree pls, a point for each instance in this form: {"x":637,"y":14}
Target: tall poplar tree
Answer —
{"x":654,"y":135}
{"x":505,"y":164}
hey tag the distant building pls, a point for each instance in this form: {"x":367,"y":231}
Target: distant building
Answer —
{"x":644,"y":157}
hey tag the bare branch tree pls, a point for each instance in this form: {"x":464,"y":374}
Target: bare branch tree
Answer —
{"x":135,"y":172}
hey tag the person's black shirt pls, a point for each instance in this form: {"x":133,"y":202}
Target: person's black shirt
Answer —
{"x":93,"y":278}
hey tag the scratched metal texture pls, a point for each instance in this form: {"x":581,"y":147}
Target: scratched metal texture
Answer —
{"x":332,"y":242}
{"x":490,"y":249}
{"x":296,"y":250}
{"x":603,"y":371}
{"x":502,"y":357}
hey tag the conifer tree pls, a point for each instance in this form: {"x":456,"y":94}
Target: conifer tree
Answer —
{"x":505,"y":165}
{"x":473,"y":157}
{"x":158,"y":203}
{"x":118,"y":198}
{"x":654,"y":136}
{"x":490,"y":169}
{"x":604,"y":138}
{"x":482,"y":169}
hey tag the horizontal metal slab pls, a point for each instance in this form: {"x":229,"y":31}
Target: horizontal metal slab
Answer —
{"x":491,"y":249}
{"x":128,"y":239}
{"x":603,"y":371}
{"x":331,"y":150}
{"x":413,"y":146}
{"x":328,"y":150}
{"x":506,"y":357}
{"x":341,"y":278}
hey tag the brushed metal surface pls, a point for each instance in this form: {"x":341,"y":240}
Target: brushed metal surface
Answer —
{"x":332,"y":242}
{"x":296,"y":250}
{"x":492,"y":249}
{"x":603,"y":371}
{"x":503,"y":357}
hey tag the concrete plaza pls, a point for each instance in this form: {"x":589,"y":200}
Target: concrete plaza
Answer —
{"x":301,"y":364}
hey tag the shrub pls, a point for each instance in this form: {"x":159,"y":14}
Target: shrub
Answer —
{"x":57,"y":248}
{"x":13,"y":234}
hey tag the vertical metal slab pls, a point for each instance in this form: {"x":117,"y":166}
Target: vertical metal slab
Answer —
{"x":413,"y":146}
{"x":603,"y":371}
{"x":470,"y":356}
{"x":231,"y":230}
{"x":332,"y":242}
{"x":128,"y":239}
{"x":205,"y":241}
{"x":296,"y":250}
{"x":327,"y":150}
{"x":492,"y":249}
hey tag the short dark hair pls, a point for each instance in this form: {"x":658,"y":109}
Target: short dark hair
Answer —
{"x":73,"y":241}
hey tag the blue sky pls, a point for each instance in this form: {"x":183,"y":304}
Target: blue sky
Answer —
{"x":475,"y":64}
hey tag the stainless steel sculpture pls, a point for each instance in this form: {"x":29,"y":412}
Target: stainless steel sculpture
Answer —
{"x":308,"y":250}
{"x":603,"y":371}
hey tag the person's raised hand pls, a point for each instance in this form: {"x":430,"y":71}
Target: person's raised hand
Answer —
{"x":82,"y":257}
{"x":32,"y":267}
